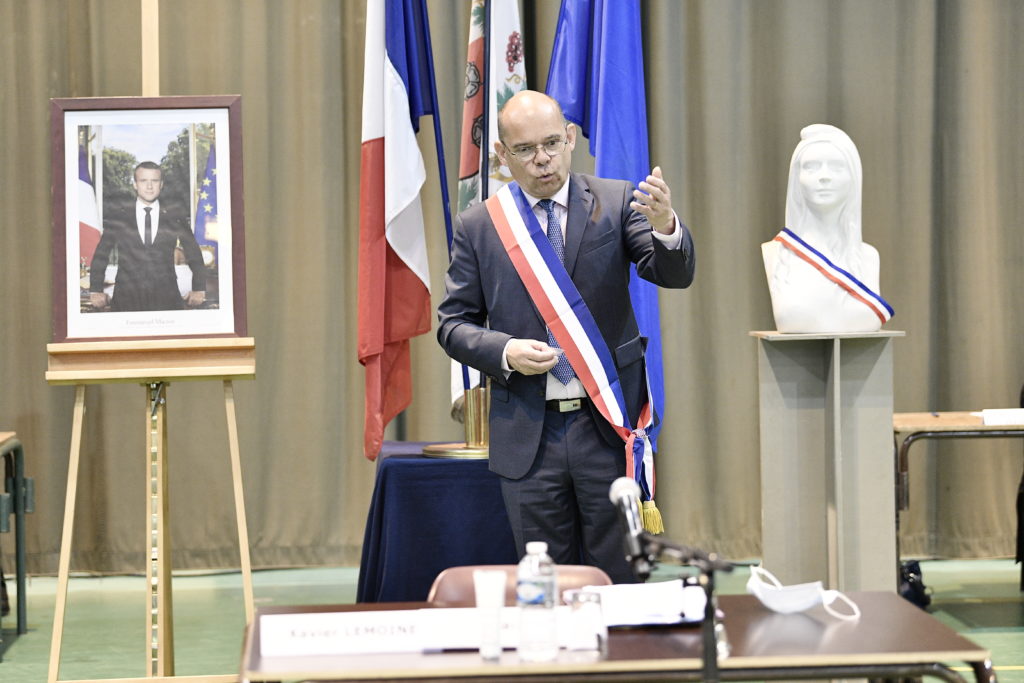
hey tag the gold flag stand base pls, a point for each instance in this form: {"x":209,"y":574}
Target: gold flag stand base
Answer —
{"x":455,"y":450}
{"x":476,"y":403}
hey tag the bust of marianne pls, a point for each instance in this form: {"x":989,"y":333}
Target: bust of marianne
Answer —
{"x":822,"y":278}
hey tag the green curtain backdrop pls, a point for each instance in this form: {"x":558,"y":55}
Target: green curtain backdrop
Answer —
{"x":930,"y":92}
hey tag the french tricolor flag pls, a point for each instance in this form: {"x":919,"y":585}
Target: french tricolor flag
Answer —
{"x":89,"y":228}
{"x":394,"y":282}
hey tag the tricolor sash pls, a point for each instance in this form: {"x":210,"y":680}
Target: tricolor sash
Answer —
{"x":854,"y":287}
{"x":567,"y":316}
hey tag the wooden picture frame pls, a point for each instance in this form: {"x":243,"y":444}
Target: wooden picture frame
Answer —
{"x":114,"y":158}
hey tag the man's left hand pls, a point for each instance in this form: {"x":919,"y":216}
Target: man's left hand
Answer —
{"x":653,"y":198}
{"x":195,"y":299}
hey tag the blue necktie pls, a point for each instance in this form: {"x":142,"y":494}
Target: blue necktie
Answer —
{"x":149,"y":225}
{"x":562,"y":371}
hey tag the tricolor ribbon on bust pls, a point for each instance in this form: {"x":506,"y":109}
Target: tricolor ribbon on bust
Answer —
{"x":567,"y":316}
{"x":854,"y":287}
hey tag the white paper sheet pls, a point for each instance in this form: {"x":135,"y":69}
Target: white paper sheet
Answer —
{"x":662,"y":602}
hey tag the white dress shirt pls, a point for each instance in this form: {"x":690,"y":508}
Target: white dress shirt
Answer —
{"x":140,"y":218}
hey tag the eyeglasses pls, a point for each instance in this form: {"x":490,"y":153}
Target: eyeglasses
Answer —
{"x":526,"y":153}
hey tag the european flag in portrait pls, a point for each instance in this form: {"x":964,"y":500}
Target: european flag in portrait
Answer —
{"x":206,"y":204}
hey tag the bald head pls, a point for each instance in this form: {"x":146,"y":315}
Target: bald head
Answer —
{"x":535,"y":142}
{"x":527,"y":105}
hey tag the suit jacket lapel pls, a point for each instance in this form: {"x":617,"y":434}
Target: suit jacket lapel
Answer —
{"x":580,"y":202}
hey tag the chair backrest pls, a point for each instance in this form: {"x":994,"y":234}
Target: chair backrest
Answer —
{"x":454,"y":586}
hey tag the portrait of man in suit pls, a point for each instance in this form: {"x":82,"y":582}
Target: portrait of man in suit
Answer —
{"x":554,"y":451}
{"x":148,"y":236}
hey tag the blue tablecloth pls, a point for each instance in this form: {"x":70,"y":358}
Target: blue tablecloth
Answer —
{"x":428,"y":514}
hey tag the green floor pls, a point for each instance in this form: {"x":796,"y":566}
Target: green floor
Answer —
{"x":104,"y":630}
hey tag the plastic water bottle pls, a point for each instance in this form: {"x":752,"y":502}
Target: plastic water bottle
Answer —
{"x":535,"y":594}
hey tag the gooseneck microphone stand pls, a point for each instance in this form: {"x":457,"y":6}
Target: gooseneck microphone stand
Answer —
{"x":713,"y":637}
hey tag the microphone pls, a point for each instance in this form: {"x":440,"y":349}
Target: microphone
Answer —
{"x":625,"y":495}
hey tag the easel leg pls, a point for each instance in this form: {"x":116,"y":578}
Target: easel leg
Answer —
{"x":236,"y":479}
{"x":159,"y":622}
{"x":65,"y":540}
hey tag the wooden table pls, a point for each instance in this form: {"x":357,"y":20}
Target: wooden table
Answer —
{"x":14,"y":459}
{"x":911,"y":427}
{"x":892,"y":639}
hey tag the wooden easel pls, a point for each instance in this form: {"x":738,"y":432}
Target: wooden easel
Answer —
{"x":153,"y":363}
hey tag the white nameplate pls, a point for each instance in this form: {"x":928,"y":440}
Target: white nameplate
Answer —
{"x":345,"y":633}
{"x":339,"y":633}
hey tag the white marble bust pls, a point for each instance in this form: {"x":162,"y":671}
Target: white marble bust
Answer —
{"x":823,"y":209}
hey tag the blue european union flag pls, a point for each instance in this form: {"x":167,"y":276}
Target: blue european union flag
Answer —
{"x":597,"y":75}
{"x":206,"y":203}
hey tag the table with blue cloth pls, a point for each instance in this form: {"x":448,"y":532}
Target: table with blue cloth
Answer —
{"x":428,"y":514}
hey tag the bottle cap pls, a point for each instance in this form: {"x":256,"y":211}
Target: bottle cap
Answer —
{"x":536,"y":547}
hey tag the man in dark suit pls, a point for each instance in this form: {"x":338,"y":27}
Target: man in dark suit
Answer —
{"x":147,"y":236}
{"x":557,"y":456}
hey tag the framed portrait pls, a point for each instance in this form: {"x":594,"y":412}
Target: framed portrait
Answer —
{"x":148,"y":230}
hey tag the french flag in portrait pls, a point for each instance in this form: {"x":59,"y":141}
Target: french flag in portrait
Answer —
{"x":89,"y":228}
{"x":394,"y":282}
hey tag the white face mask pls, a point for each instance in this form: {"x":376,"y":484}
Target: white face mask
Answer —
{"x":796,"y":598}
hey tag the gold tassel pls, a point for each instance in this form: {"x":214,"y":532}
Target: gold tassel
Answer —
{"x":652,"y":518}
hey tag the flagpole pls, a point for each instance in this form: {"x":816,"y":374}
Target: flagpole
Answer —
{"x":475,"y":400}
{"x":485,"y":128}
{"x":438,"y":141}
{"x":193,"y":171}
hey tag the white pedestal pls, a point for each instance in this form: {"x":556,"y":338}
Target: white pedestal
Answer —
{"x":828,"y":509}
